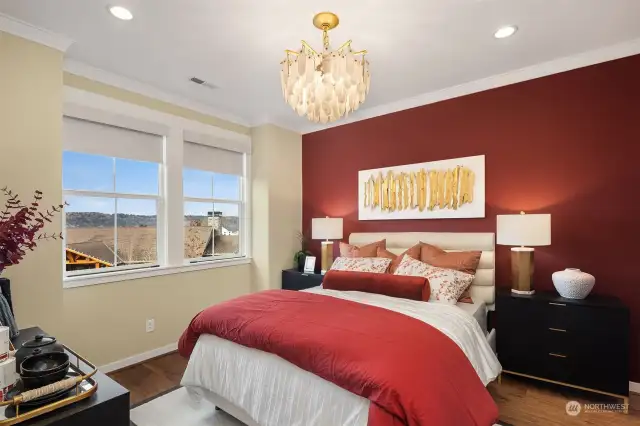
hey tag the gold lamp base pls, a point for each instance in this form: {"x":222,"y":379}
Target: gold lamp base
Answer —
{"x":522,"y":270}
{"x":327,"y":256}
{"x":326,"y":21}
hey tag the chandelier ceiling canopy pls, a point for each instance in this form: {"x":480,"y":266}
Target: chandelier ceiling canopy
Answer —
{"x":325,"y":86}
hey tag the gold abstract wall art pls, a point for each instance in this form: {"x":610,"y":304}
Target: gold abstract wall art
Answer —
{"x":434,"y":190}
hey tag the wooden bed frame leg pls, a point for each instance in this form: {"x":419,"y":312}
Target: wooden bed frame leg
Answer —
{"x":625,"y":401}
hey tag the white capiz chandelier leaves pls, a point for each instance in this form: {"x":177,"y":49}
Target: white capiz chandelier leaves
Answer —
{"x":325,"y":86}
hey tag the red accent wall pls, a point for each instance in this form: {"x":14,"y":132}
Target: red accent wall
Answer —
{"x":567,"y":144}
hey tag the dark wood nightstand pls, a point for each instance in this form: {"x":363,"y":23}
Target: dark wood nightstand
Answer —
{"x":294,"y":280}
{"x":578,"y":343}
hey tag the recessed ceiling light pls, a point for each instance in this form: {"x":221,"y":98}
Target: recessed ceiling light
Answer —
{"x":505,"y":32}
{"x":121,"y":13}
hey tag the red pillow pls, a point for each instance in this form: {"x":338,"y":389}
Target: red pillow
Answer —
{"x":403,"y":286}
{"x":369,"y":250}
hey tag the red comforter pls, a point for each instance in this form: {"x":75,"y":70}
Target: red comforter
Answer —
{"x":412,"y":373}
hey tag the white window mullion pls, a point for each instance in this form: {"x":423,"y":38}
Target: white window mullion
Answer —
{"x":115,"y":219}
{"x":161,"y":218}
{"x":85,"y":193}
{"x":212,"y":200}
{"x":115,"y":234}
{"x":244,"y":226}
{"x":174,"y":203}
{"x":213,"y":218}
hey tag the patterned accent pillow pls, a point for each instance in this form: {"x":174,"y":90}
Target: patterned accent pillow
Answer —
{"x":447,"y":285}
{"x":465,"y":261}
{"x":369,"y":250}
{"x":397,"y":258}
{"x":375,"y":265}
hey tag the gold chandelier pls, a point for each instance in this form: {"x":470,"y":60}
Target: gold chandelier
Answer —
{"x":325,"y":86}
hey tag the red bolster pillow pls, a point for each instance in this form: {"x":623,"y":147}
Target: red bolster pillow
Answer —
{"x":403,"y":286}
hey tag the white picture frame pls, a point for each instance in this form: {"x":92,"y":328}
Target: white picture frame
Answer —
{"x":473,"y":209}
{"x":309,"y":265}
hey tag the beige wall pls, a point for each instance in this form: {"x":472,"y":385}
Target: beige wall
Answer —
{"x":31,"y":158}
{"x":88,"y":85}
{"x":107,"y":322}
{"x":104,"y":322}
{"x":277,"y":190}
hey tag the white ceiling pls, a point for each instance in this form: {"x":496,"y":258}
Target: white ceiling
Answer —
{"x":416,"y":46}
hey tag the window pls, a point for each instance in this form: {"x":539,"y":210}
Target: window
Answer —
{"x":150,"y":198}
{"x":212,"y":187}
{"x":111,"y":181}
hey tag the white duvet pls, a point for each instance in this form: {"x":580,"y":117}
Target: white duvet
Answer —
{"x":270,"y":391}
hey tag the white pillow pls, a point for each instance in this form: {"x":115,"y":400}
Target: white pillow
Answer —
{"x":447,"y":285}
{"x":376,"y":265}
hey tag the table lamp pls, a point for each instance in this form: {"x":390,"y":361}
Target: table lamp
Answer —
{"x":326,"y":228}
{"x":523,"y":230}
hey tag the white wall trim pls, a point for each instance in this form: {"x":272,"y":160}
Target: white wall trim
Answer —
{"x":556,"y":66}
{"x":121,"y":82}
{"x":74,"y":281}
{"x":136,"y":359}
{"x":19,"y":28}
{"x":634,"y":387}
{"x":75,"y":98}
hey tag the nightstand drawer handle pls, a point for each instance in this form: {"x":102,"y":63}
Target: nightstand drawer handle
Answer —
{"x":557,"y":329}
{"x":557,"y":355}
{"x":557,"y":304}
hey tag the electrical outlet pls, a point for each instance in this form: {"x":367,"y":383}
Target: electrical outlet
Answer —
{"x":151,"y":325}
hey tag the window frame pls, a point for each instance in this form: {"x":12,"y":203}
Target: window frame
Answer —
{"x":161,"y":242}
{"x":170,"y":200}
{"x":213,"y":202}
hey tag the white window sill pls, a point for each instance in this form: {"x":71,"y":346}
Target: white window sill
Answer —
{"x":110,"y":277}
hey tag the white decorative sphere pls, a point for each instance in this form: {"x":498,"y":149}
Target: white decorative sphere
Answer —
{"x":573,"y":283}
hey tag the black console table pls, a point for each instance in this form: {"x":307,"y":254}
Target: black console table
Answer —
{"x":109,"y":406}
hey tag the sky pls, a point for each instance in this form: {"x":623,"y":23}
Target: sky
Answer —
{"x":96,"y":173}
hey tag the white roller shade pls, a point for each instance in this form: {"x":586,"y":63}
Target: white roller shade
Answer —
{"x":218,"y":160}
{"x":102,"y":139}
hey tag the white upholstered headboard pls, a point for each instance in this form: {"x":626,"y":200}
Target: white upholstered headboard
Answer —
{"x":483,"y":286}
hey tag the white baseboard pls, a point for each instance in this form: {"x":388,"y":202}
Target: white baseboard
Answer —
{"x":634,"y":387}
{"x":138,"y":358}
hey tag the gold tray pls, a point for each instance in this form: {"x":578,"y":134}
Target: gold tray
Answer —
{"x":84,"y":386}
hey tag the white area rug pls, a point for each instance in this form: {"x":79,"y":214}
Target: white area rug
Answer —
{"x":177,"y":408}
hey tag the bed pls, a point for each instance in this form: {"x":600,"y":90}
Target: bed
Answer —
{"x":260,"y":388}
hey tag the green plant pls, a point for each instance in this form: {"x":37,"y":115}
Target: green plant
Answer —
{"x":304,"y":243}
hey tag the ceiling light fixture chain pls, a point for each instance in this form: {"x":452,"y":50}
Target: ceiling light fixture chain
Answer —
{"x":325,"y":37}
{"x":328,"y":85}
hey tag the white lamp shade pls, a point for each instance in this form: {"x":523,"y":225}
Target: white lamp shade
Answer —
{"x":326,"y":228}
{"x":524,"y":230}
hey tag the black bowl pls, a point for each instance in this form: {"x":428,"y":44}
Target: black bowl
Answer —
{"x":35,"y":373}
{"x":45,"y":363}
{"x":44,"y":379}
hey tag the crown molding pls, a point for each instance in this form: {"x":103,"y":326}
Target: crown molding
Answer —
{"x":106,"y":77}
{"x":19,"y":28}
{"x":555,"y":66}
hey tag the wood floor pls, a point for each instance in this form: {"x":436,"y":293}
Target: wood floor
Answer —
{"x":521,"y":402}
{"x":152,"y":377}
